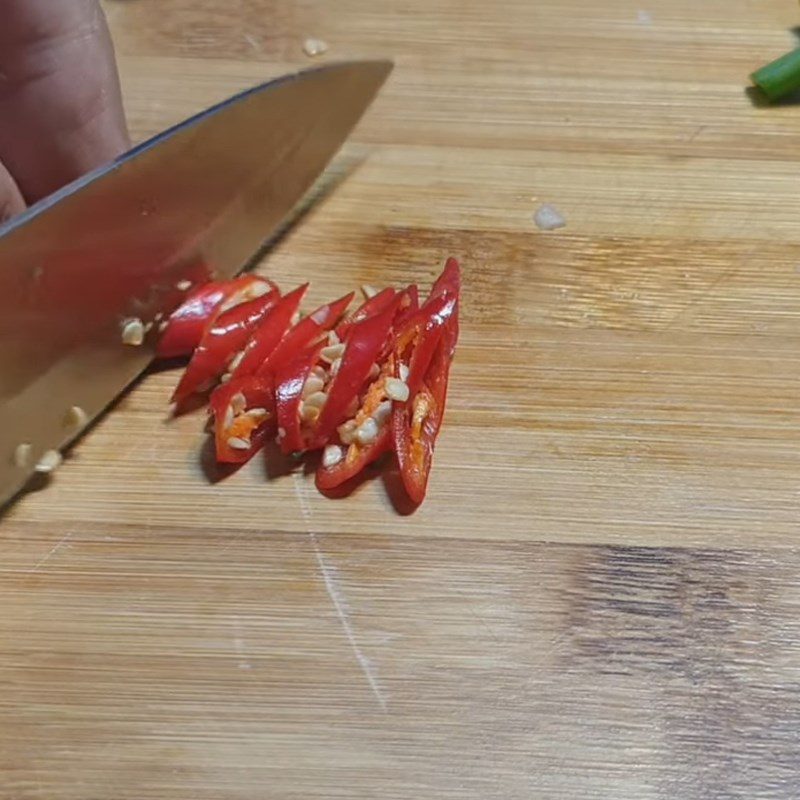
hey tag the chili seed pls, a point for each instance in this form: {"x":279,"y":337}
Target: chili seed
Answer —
{"x":397,"y":390}
{"x":50,"y":461}
{"x":332,"y":455}
{"x":367,"y":432}
{"x":76,"y":417}
{"x":332,"y":352}
{"x":22,"y":455}
{"x":317,"y":399}
{"x":133,"y":332}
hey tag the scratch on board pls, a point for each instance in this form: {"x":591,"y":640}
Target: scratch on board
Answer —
{"x":238,"y":644}
{"x":252,"y":41}
{"x":51,"y":552}
{"x":689,"y":311}
{"x":328,"y":572}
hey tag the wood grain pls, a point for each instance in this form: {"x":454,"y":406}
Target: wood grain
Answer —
{"x":600,"y":597}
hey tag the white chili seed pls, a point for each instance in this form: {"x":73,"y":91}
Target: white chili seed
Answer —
{"x":320,"y":315}
{"x":347,"y":431}
{"x":367,"y":432}
{"x":183,"y":286}
{"x":308,"y":413}
{"x":317,"y":399}
{"x":238,"y":444}
{"x":229,"y":417}
{"x":314,"y":47}
{"x":313,"y":385}
{"x":76,"y":417}
{"x":397,"y":390}
{"x":548,"y":218}
{"x":256,"y":290}
{"x":336,"y":366}
{"x":238,"y":403}
{"x":22,"y":455}
{"x":133,"y":332}
{"x":374,"y":371}
{"x":236,"y":360}
{"x":404,"y":372}
{"x":383,"y":412}
{"x":369,"y":291}
{"x":257,"y":414}
{"x":252,"y":292}
{"x":332,"y":455}
{"x":319,"y":372}
{"x":50,"y":461}
{"x":332,"y":352}
{"x":224,"y":379}
{"x":333,"y":338}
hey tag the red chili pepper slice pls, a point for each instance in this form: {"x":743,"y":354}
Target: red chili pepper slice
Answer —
{"x":269,"y":332}
{"x":413,"y":343}
{"x":289,"y":383}
{"x":227,"y":336}
{"x":305,"y":333}
{"x":415,"y":427}
{"x":448,"y":284}
{"x":416,"y":424}
{"x":356,"y":454}
{"x":355,"y":459}
{"x":244,"y":418}
{"x":186,"y":324}
{"x":362,"y":347}
{"x":371,"y":306}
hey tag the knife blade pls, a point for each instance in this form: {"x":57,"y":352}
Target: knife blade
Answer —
{"x":122,"y":243}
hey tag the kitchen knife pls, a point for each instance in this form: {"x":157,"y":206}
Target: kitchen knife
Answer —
{"x":123,"y":243}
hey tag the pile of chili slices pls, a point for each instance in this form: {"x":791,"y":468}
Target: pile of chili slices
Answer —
{"x":354,"y":386}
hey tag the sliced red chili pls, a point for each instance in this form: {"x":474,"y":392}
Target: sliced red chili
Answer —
{"x":360,"y":446}
{"x":414,"y":345}
{"x":220,"y":343}
{"x":416,"y":424}
{"x":289,"y":383}
{"x":244,"y":418}
{"x":186,"y":324}
{"x":416,"y":341}
{"x":355,"y":459}
{"x":415,"y":427}
{"x":362,"y":347}
{"x":448,"y":284}
{"x":268,"y":333}
{"x":373,"y":305}
{"x":305,"y":333}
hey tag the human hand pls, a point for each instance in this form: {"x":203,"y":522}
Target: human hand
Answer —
{"x":60,"y":105}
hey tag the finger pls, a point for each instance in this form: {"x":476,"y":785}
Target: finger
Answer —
{"x":11,"y":201}
{"x":60,"y":105}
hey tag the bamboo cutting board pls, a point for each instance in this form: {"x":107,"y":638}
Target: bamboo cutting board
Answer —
{"x":600,"y":597}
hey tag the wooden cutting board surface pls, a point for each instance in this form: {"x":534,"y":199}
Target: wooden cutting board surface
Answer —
{"x":600,"y":597}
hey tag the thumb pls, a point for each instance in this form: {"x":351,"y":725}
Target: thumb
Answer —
{"x":60,"y":106}
{"x":11,"y":201}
